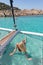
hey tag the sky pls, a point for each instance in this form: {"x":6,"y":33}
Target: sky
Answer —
{"x":26,"y":4}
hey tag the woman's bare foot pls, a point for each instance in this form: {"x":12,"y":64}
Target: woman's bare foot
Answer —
{"x":29,"y":58}
{"x":11,"y":54}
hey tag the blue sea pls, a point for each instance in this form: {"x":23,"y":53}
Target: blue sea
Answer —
{"x":34,"y":44}
{"x":26,"y":23}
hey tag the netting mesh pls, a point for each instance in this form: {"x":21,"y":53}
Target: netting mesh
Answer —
{"x":34,"y":49}
{"x":3,"y":34}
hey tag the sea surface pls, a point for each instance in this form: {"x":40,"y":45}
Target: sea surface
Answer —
{"x":34,"y":44}
{"x":26,"y":23}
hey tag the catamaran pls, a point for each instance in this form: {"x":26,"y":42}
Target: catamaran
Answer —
{"x":7,"y":39}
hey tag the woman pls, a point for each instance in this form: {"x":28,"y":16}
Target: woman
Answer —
{"x":22,"y":48}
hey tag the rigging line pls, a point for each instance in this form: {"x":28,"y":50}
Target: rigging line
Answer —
{"x":11,"y":2}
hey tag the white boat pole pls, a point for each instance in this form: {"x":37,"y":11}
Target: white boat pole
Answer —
{"x":33,"y":33}
{"x":24,"y":32}
{"x":6,"y":29}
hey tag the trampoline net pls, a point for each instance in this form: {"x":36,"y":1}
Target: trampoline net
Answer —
{"x":34,"y":47}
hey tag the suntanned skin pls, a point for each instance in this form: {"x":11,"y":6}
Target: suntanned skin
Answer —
{"x":21,"y":47}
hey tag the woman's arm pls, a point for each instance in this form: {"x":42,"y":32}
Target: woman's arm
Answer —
{"x":13,"y":51}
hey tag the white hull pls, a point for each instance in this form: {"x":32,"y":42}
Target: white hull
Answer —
{"x":24,"y":32}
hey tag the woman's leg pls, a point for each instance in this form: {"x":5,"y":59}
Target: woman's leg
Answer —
{"x":29,"y":57}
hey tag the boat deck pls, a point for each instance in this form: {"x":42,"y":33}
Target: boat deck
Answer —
{"x":2,"y":41}
{"x":6,"y":40}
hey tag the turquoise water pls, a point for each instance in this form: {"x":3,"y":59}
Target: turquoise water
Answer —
{"x":33,"y":43}
{"x":28,"y":23}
